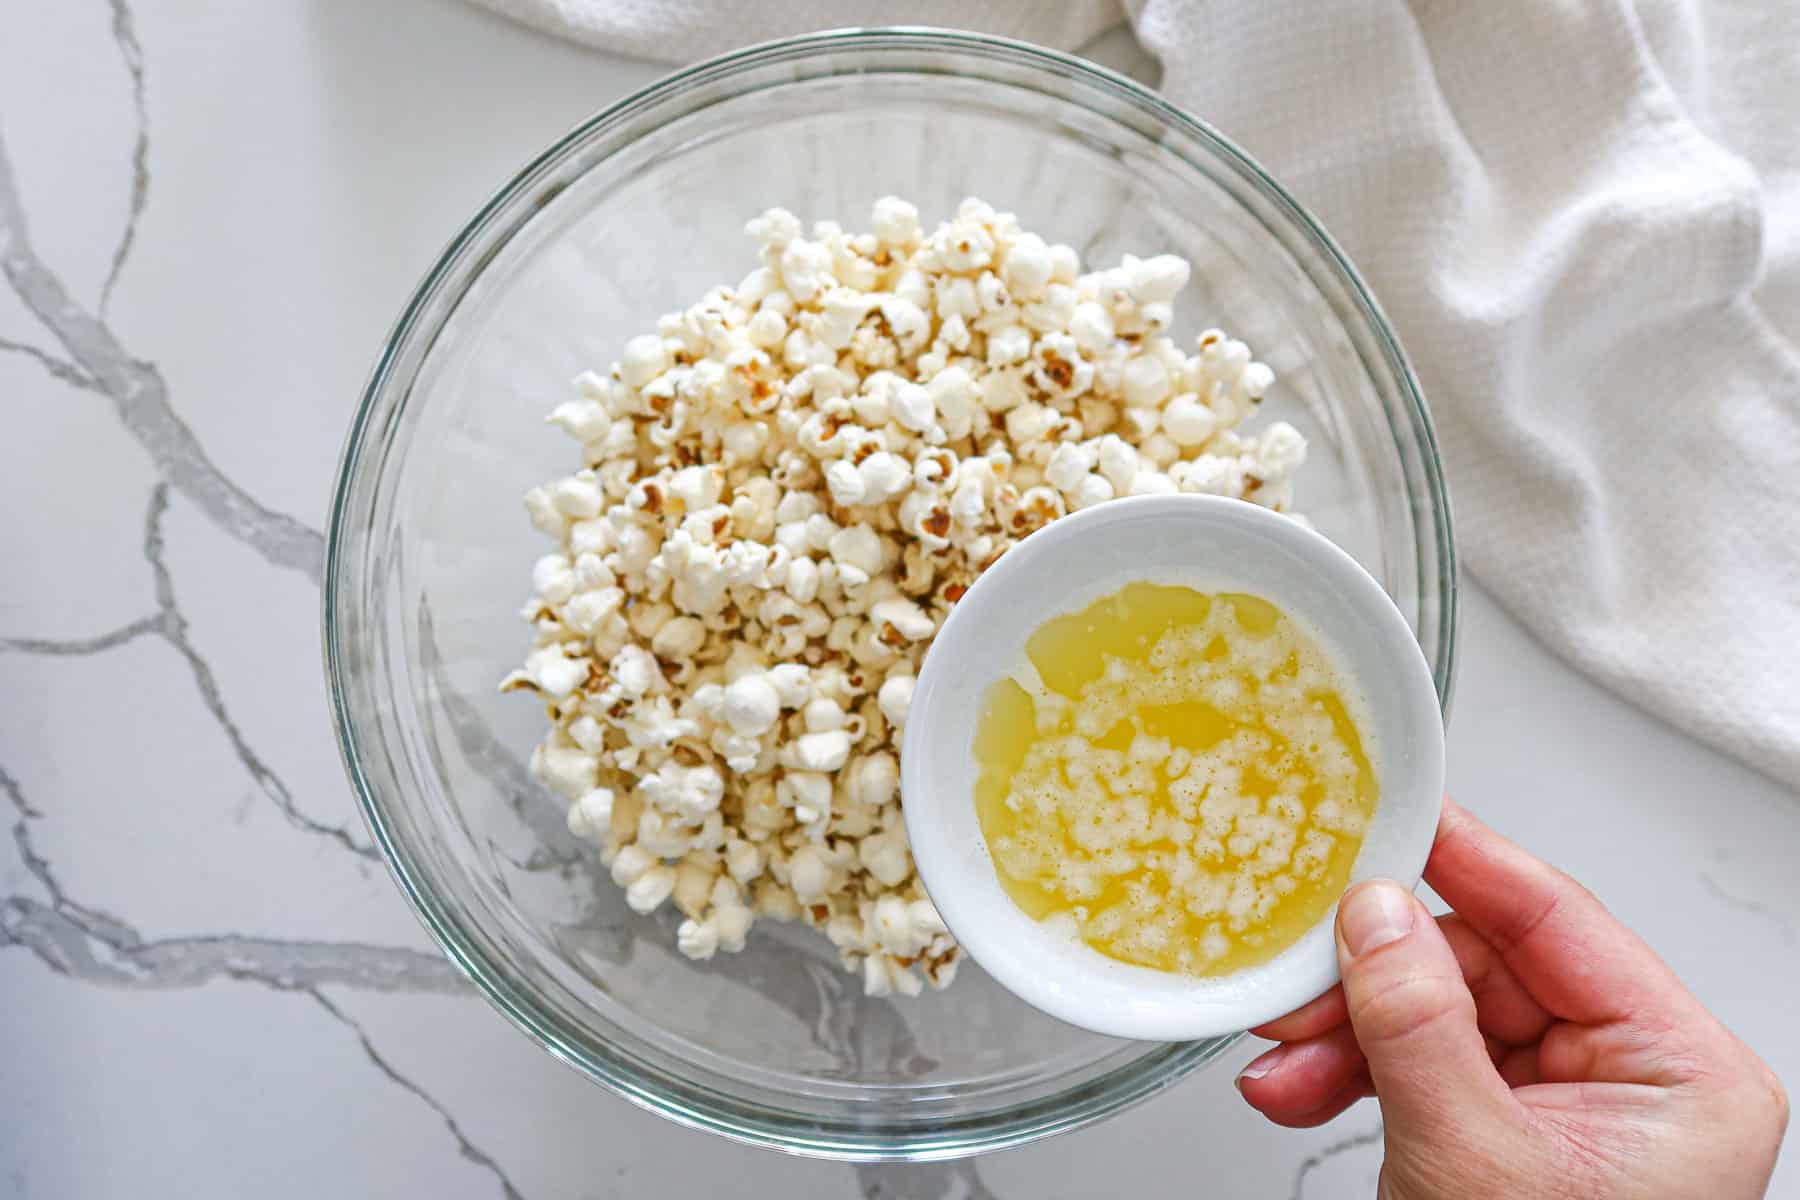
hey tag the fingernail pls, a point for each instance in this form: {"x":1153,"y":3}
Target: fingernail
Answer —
{"x":1261,"y":1066}
{"x":1374,"y":914}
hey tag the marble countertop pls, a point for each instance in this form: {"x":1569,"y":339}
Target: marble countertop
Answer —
{"x":209,"y":214}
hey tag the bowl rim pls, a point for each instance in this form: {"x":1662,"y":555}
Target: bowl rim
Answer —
{"x":623,"y":1071}
{"x":1079,"y":986}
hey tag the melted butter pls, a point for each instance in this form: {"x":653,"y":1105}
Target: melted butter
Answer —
{"x":1188,"y":785}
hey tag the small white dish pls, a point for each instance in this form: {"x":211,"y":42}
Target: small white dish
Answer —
{"x":1212,"y":544}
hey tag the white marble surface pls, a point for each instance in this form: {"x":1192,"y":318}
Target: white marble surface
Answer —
{"x":209,"y":213}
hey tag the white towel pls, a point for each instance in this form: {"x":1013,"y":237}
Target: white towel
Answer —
{"x":685,"y":30}
{"x":1584,"y":218}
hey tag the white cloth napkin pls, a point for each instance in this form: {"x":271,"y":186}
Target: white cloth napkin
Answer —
{"x":1584,"y":218}
{"x":684,"y":30}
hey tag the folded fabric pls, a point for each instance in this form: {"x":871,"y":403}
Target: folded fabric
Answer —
{"x":684,"y":30}
{"x":1584,"y":220}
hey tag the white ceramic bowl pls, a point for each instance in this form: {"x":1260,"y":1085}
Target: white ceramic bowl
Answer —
{"x":1212,"y":544}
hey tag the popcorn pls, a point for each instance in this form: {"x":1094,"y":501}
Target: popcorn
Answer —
{"x":822,"y":715}
{"x":553,"y":578}
{"x":782,"y":492}
{"x":743,"y":859}
{"x":885,"y":856}
{"x":873,"y":781}
{"x":646,"y":893}
{"x":805,"y":269}
{"x":1028,"y":265}
{"x":1118,"y":462}
{"x":1188,"y":421}
{"x":1281,"y":450}
{"x":591,"y":816}
{"x":1068,"y":466}
{"x":896,"y":223}
{"x":856,"y":548}
{"x":808,"y":874}
{"x":576,"y":496}
{"x":883,"y":477}
{"x":792,"y":683}
{"x":826,"y":751}
{"x":545,"y":516}
{"x":634,"y":671}
{"x":1155,"y":280}
{"x":698,"y":939}
{"x":1146,"y":382}
{"x":913,"y":408}
{"x":643,"y":360}
{"x":1091,"y":327}
{"x":693,"y":886}
{"x":895,"y":698}
{"x":688,"y":792}
{"x":583,"y":420}
{"x":751,"y":706}
{"x":554,"y":673}
{"x":1091,"y":491}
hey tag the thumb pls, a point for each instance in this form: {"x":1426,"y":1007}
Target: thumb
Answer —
{"x":1413,"y":1015}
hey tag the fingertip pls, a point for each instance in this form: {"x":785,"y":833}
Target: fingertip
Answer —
{"x":1357,"y":1089}
{"x":1373,"y":914}
{"x":1268,"y":1096}
{"x":1294,"y":1079}
{"x":1260,"y":1068}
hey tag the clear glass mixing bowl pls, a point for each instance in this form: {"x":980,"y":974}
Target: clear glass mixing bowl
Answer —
{"x":637,"y":212}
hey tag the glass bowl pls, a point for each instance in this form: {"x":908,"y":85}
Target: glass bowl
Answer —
{"x":635,"y":213}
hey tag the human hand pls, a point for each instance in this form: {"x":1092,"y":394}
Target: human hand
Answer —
{"x":1529,"y":1045}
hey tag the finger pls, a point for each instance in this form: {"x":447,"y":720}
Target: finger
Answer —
{"x":1414,"y":1017}
{"x":1504,"y":1009}
{"x":1358,"y":1088}
{"x":1317,"y":1016}
{"x":1569,"y":953}
{"x":1299,"y":1078}
{"x":1617,"y":1052}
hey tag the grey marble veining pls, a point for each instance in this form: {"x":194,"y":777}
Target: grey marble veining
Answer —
{"x":97,"y":362}
{"x":208,"y":976}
